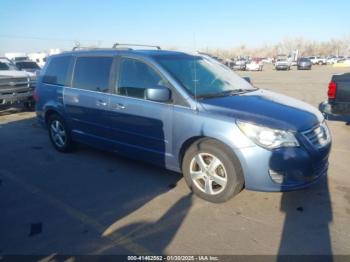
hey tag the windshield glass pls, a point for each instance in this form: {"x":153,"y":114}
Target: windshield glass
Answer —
{"x":202,"y":76}
{"x":27,"y":65}
{"x":7,"y":66}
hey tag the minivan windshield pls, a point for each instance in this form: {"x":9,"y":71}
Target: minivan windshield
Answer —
{"x":202,"y":77}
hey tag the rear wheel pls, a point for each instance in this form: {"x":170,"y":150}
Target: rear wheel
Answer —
{"x":212,"y":171}
{"x":59,"y":134}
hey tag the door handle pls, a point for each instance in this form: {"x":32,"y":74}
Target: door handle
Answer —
{"x":118,"y":106}
{"x":101,"y":103}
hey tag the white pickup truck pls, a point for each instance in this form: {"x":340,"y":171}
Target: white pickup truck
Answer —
{"x":15,"y":86}
{"x":318,"y":60}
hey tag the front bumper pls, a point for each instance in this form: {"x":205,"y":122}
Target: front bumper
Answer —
{"x":298,"y":167}
{"x":15,"y":97}
{"x":281,"y":67}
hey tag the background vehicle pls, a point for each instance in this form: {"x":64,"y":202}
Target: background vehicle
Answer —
{"x":304,"y":64}
{"x":15,"y":86}
{"x":8,"y":68}
{"x":332,"y":60}
{"x":318,"y":60}
{"x":282,"y":64}
{"x":255,"y":65}
{"x":338,"y":96}
{"x":344,"y":62}
{"x":240,"y":64}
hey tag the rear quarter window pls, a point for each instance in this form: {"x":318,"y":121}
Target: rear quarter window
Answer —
{"x":58,"y":71}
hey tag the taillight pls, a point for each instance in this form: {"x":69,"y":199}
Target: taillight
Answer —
{"x":35,"y":95}
{"x":332,"y":90}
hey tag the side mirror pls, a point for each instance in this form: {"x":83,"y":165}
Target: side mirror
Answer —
{"x":158,"y":94}
{"x":247,"y":78}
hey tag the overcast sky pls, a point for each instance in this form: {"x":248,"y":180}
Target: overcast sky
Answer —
{"x":36,"y":25}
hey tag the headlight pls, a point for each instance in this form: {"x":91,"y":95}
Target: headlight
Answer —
{"x":267,"y":137}
{"x":32,"y":78}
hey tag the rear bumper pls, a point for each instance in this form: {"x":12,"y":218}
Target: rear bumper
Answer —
{"x":339,"y":109}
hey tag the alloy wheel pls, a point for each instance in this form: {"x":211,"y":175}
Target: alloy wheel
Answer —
{"x":208,"y":173}
{"x":58,"y":133}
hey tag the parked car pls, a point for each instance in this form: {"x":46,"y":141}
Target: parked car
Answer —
{"x":282,"y":64}
{"x":304,"y":64}
{"x":332,"y":60}
{"x":240,"y":64}
{"x":318,"y":60}
{"x":255,"y":65}
{"x":15,"y":86}
{"x":185,"y":113}
{"x":345,"y":62}
{"x":8,"y":68}
{"x":338,"y":96}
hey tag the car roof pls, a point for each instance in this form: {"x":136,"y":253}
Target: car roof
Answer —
{"x":112,"y":52}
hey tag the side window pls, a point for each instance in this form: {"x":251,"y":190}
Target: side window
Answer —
{"x":135,"y":77}
{"x":92,"y":73}
{"x":57,"y":71}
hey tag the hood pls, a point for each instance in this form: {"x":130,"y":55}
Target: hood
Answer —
{"x":266,"y":108}
{"x":16,"y":73}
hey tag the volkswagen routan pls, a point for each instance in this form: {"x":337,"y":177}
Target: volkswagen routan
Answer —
{"x":184,"y":112}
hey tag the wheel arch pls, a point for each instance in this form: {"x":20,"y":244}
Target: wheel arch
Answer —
{"x":49,"y":112}
{"x":191,"y":141}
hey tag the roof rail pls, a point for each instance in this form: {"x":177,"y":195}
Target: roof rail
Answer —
{"x":84,"y":48}
{"x":116,"y":45}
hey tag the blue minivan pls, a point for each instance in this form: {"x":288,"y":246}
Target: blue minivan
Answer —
{"x":187,"y":113}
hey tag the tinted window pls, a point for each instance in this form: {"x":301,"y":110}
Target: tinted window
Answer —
{"x":92,"y":73}
{"x":27,"y":65}
{"x":57,"y":71}
{"x":135,"y":77}
{"x":4,"y":66}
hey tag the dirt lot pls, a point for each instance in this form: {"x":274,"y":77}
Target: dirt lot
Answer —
{"x":91,"y":202}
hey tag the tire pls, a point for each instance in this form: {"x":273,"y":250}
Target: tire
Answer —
{"x":58,"y":128}
{"x":228,"y":172}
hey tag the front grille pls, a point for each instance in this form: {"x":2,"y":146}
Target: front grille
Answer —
{"x":318,"y":136}
{"x":13,"y":82}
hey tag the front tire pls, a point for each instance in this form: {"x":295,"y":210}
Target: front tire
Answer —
{"x":212,"y":171}
{"x":59,"y":134}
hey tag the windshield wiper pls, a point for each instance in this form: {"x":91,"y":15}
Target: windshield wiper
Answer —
{"x":227,"y":93}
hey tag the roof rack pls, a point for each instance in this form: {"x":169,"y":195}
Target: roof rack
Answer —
{"x":84,"y":48}
{"x":116,"y":45}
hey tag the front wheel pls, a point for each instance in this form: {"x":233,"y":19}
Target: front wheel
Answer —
{"x":212,"y":171}
{"x":59,"y":134}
